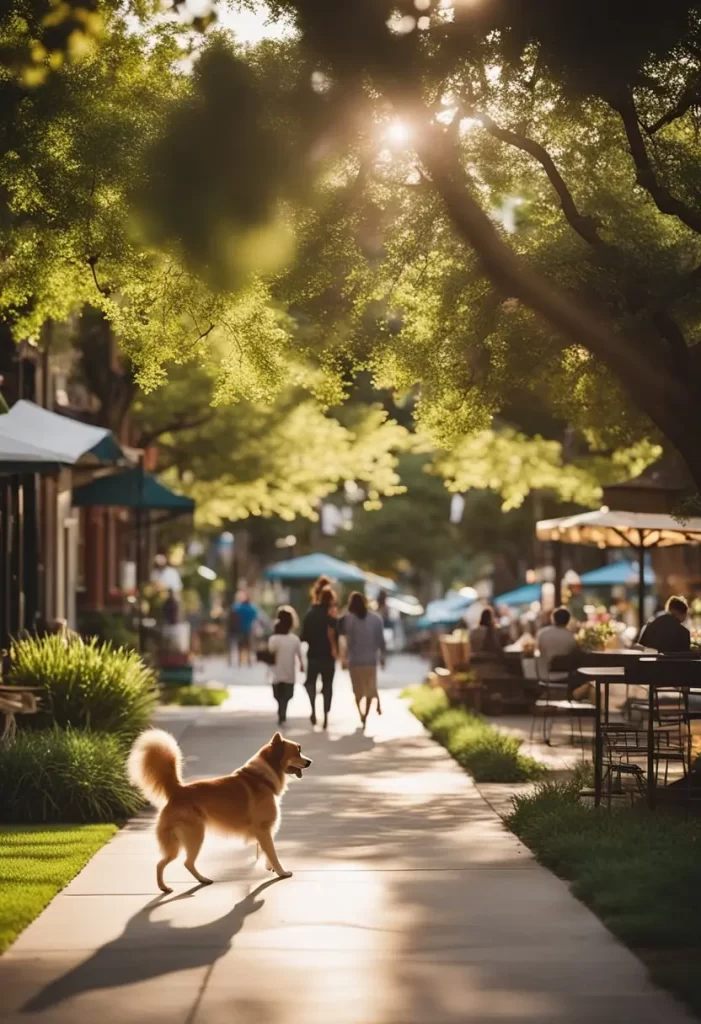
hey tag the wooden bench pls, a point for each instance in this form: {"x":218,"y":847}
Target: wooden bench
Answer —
{"x":17,"y":700}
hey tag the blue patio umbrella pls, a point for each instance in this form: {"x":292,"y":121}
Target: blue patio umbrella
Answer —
{"x":526,"y":594}
{"x":618,"y":574}
{"x":446,"y":611}
{"x":310,"y":567}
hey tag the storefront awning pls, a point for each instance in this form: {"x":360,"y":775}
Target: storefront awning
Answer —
{"x":132,"y":489}
{"x":58,"y":438}
{"x":20,"y":457}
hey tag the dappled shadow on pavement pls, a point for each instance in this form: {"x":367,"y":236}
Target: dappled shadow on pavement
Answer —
{"x":206,"y":944}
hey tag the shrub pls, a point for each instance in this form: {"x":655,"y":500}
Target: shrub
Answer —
{"x":107,"y":627}
{"x":488,"y":754}
{"x":196,"y":696}
{"x":640,"y":872}
{"x":427,"y":702}
{"x":87,"y":685}
{"x":65,"y":775}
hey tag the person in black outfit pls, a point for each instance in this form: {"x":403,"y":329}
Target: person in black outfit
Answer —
{"x":666,"y":632}
{"x":319,"y":631}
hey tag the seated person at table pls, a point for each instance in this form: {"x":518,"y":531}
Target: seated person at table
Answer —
{"x":557,"y":641}
{"x":487,"y":657}
{"x":666,"y":632}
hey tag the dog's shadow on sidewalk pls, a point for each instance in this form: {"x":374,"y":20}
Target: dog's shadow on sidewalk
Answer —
{"x":128,"y":960}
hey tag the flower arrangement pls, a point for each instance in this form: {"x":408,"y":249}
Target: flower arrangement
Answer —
{"x":696,"y":639}
{"x":596,"y":635}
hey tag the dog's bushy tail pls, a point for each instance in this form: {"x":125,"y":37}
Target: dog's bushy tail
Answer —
{"x":154,"y":765}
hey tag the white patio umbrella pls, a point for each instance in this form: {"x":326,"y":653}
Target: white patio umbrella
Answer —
{"x":607,"y":529}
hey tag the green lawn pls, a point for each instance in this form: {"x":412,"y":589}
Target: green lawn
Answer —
{"x":488,"y":754}
{"x":640,"y":872}
{"x":36,"y":862}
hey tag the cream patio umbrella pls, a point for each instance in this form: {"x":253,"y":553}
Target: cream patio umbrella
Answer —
{"x":606,"y":529}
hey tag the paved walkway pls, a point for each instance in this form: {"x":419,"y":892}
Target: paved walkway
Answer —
{"x":410,"y":904}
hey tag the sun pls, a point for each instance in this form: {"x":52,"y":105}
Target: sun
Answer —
{"x":399,"y":133}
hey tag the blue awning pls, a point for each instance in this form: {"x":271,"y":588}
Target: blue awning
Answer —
{"x":132,"y":489}
{"x":445,"y":611}
{"x":617,"y":574}
{"x":310,"y":567}
{"x":526,"y":594}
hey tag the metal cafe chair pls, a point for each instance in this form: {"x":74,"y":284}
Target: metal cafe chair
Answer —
{"x":555,"y":701}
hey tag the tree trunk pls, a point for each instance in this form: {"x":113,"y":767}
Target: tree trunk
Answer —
{"x":670,"y":402}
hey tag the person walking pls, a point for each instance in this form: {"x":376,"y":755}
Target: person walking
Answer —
{"x":317,"y":587}
{"x":286,"y":647}
{"x":365,"y":646}
{"x":319,"y":632}
{"x":243,"y":614}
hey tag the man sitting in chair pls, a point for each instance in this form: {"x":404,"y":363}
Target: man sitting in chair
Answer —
{"x":666,"y":632}
{"x":557,"y":641}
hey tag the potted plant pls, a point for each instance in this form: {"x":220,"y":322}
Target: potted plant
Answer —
{"x":596,"y":636}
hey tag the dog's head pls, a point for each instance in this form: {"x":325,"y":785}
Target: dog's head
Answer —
{"x":288,"y":755}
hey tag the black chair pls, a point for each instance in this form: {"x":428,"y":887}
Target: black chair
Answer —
{"x":555,"y":700}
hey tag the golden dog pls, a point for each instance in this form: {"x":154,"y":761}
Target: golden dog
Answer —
{"x":245,"y":803}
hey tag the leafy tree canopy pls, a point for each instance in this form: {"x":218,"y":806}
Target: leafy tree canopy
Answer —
{"x":298,"y":210}
{"x":247,"y":458}
{"x":421,"y":124}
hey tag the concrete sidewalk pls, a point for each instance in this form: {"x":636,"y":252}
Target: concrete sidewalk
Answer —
{"x":410,"y":904}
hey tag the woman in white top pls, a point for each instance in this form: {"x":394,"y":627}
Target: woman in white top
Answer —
{"x":287,"y":648}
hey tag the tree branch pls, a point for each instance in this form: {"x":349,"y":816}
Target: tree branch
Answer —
{"x":201,"y":336}
{"x":585,"y":227}
{"x":174,"y":427}
{"x":690,"y":96}
{"x":645,"y":172}
{"x":103,"y":289}
{"x":659,"y":393}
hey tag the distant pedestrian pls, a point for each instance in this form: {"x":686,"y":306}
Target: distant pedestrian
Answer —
{"x":317,"y":587}
{"x":286,"y":646}
{"x":171,"y":609}
{"x":165,"y":576}
{"x":320,"y":632}
{"x":365,"y":646}
{"x":243,"y":615}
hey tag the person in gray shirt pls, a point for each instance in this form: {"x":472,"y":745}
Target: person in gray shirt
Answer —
{"x":365,"y":646}
{"x":555,"y":641}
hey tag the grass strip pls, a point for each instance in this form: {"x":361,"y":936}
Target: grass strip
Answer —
{"x":488,"y":754}
{"x":194,"y":696}
{"x":639,"y":872}
{"x":36,"y":862}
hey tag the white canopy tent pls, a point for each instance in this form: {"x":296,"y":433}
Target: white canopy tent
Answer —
{"x":21,"y":457}
{"x":610,"y":529}
{"x":52,"y":437}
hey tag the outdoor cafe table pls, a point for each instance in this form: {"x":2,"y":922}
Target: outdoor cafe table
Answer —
{"x":638,"y":668}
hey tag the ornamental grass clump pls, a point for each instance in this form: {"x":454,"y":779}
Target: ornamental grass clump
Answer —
{"x":86,"y":684}
{"x":65,"y":775}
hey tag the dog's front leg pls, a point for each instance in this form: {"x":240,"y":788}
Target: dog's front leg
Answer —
{"x":268,"y":846}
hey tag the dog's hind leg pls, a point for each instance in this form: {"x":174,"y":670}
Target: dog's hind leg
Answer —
{"x":265,"y":838}
{"x":192,"y":836}
{"x":170,"y":847}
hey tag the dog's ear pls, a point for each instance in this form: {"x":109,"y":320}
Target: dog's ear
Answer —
{"x":277,"y":751}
